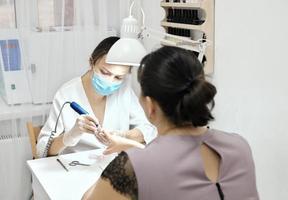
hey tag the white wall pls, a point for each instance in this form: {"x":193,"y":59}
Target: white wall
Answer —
{"x":251,"y":70}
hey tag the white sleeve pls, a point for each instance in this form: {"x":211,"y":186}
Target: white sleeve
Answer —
{"x":50,"y":125}
{"x":138,"y":119}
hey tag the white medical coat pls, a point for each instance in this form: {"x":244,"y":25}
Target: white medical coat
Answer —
{"x":122,"y":112}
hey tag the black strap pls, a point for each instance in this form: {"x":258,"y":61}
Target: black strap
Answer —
{"x":220,"y":192}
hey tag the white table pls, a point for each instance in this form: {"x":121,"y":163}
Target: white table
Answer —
{"x":51,"y":181}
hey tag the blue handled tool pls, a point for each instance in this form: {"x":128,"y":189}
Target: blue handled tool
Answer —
{"x":75,"y":106}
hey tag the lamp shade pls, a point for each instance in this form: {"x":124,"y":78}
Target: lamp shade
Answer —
{"x":126,"y":51}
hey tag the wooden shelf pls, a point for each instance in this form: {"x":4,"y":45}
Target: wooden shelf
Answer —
{"x":181,"y":5}
{"x":207,"y":27}
{"x":179,"y":25}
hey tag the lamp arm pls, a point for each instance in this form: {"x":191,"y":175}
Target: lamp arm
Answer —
{"x":131,"y":7}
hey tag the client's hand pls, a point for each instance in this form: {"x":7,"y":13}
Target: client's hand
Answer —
{"x":83,"y":124}
{"x":102,"y":137}
{"x":117,"y":143}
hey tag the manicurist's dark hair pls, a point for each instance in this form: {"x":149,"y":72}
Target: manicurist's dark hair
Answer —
{"x":102,"y":49}
{"x":175,"y":79}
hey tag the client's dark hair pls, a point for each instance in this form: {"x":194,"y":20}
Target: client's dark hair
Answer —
{"x":102,"y":49}
{"x":174,"y":78}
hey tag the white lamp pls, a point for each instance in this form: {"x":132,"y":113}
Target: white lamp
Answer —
{"x":128,"y":50}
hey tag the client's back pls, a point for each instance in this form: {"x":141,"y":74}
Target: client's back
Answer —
{"x":177,"y":167}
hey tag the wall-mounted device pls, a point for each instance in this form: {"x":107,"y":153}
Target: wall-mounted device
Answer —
{"x":14,"y":86}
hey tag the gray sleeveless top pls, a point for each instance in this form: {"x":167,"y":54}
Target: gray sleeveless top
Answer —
{"x":171,"y":168}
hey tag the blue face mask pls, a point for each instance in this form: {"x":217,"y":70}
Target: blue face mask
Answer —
{"x":104,"y":87}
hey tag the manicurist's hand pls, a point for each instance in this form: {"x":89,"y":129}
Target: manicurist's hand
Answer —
{"x":83,"y":124}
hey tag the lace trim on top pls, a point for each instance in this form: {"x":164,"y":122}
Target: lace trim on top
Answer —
{"x":121,"y":175}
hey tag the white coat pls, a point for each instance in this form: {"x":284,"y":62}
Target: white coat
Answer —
{"x":122,"y":112}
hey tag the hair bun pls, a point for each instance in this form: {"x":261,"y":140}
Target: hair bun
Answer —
{"x":195,"y":99}
{"x":190,"y":83}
